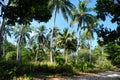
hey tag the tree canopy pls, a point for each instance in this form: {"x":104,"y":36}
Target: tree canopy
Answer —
{"x":24,"y":11}
{"x":109,"y":8}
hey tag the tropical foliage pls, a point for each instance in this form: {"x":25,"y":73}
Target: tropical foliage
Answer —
{"x":29,"y":51}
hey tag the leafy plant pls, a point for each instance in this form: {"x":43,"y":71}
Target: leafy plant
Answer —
{"x":60,"y":60}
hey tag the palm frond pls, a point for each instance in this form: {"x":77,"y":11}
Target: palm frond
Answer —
{"x":64,"y":13}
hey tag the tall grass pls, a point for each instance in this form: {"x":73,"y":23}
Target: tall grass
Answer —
{"x":13,"y":69}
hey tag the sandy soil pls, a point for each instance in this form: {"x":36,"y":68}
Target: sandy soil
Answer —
{"x":109,"y":75}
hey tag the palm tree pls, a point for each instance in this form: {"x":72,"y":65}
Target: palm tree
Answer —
{"x":41,"y":39}
{"x":65,"y":6}
{"x":84,"y":19}
{"x":68,"y":41}
{"x":2,"y":5}
{"x":22,"y":33}
{"x":6,"y":32}
{"x":38,"y":41}
{"x":54,"y":34}
{"x":88,"y":35}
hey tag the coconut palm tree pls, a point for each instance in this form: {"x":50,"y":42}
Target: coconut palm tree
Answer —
{"x":68,"y":41}
{"x":6,"y":32}
{"x":39,"y":40}
{"x":88,"y":35}
{"x":65,"y":6}
{"x":2,"y":5}
{"x":55,"y":33}
{"x":84,"y":19}
{"x":22,"y":33}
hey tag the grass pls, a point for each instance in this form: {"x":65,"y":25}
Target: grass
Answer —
{"x":28,"y":70}
{"x":14,"y":70}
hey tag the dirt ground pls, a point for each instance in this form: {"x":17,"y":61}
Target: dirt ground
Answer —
{"x":109,"y":75}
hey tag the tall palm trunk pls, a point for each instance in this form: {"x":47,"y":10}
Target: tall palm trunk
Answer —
{"x":90,"y":56}
{"x":4,"y":44}
{"x":37,"y":52}
{"x":102,"y":53}
{"x":18,"y":51}
{"x":51,"y":42}
{"x":76,"y":60}
{"x":18,"y":57}
{"x":1,"y":33}
{"x":36,"y":56}
{"x":65,"y":56}
{"x":3,"y":47}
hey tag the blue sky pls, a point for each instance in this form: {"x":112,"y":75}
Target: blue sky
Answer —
{"x":61,"y":23}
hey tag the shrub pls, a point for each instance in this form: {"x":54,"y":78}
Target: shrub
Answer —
{"x":105,"y":65}
{"x":25,"y":77}
{"x":117,"y":60}
{"x":10,"y":69}
{"x":83,"y":66}
{"x":59,"y":60}
{"x":11,"y":55}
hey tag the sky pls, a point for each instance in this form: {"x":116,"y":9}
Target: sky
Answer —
{"x":61,"y":23}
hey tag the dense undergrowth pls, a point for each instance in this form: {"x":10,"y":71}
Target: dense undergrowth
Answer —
{"x":13,"y":69}
{"x":28,"y":70}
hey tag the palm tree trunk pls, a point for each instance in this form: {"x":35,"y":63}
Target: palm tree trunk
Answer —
{"x":90,"y":57}
{"x":4,"y":44}
{"x":76,"y":60}
{"x":51,"y":42}
{"x":66,"y":58}
{"x":36,"y":57}
{"x":102,"y":53}
{"x":65,"y":55}
{"x":3,"y":47}
{"x":18,"y":51}
{"x":17,"y":57}
{"x":1,"y":30}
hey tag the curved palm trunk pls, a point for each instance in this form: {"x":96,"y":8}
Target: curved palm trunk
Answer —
{"x":3,"y":47}
{"x":1,"y":30}
{"x":51,"y":42}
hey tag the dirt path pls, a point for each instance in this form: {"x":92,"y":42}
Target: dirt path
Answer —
{"x":109,"y":75}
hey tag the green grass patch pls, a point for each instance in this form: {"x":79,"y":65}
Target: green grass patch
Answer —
{"x":14,"y":69}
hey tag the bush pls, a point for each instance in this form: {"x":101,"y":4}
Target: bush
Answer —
{"x":64,"y":69}
{"x":25,"y":77}
{"x":117,"y":60}
{"x":59,"y":60}
{"x":16,"y":70}
{"x":83,"y":66}
{"x":11,"y":55}
{"x":105,"y":65}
